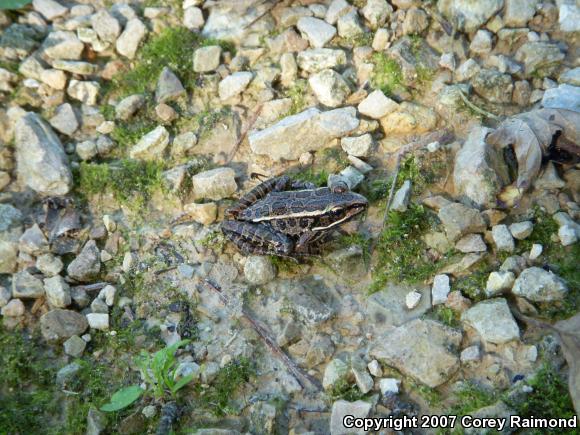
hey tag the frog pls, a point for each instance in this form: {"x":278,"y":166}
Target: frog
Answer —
{"x":289,"y":218}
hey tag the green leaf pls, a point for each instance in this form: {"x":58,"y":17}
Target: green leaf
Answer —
{"x":13,"y":4}
{"x":123,"y":398}
{"x":182,"y":383}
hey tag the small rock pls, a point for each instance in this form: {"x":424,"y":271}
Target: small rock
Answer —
{"x":517,"y":13}
{"x":335,"y":371}
{"x":502,"y":238}
{"x":467,"y":70}
{"x":342,"y":408}
{"x":214,"y":184}
{"x":457,"y":302}
{"x":536,"y":251}
{"x":57,"y":291}
{"x":64,"y":120}
{"x":416,"y":21}
{"x":59,"y":324}
{"x":412,"y":299}
{"x":350,"y":175}
{"x":377,"y":12}
{"x":96,"y":422}
{"x":169,"y":88}
{"x":234,"y":84}
{"x":521,"y":230}
{"x":205,"y":213}
{"x":86,"y":150}
{"x":106,"y":25}
{"x":5,"y":296}
{"x":74,"y":346}
{"x":259,"y":270}
{"x":54,"y":78}
{"x":129,"y":261}
{"x":129,"y":41}
{"x":26,"y":286}
{"x":539,"y":285}
{"x":481,"y":43}
{"x":375,"y":368}
{"x":550,"y":179}
{"x":337,"y":9}
{"x":470,"y":354}
{"x":62,"y":44}
{"x":499,"y":282}
{"x":108,"y":294}
{"x":568,"y":235}
{"x":468,"y":14}
{"x":409,"y":118}
{"x":317,"y":59}
{"x":50,"y":9}
{"x":33,"y":241}
{"x":84,"y":91}
{"x":316,"y":31}
{"x":363,"y":380}
{"x":358,"y":146}
{"x":14,"y":308}
{"x":193,"y":18}
{"x":207,"y":59}
{"x":152,"y":145}
{"x":570,"y":77}
{"x":98,"y":321}
{"x":349,"y":26}
{"x":329,"y":87}
{"x":87,"y":264}
{"x":514,"y":264}
{"x":471,"y":243}
{"x":128,"y":106}
{"x":493,"y":321}
{"x":183,"y":144}
{"x":447,"y":61}
{"x":440,"y":289}
{"x":459,"y":220}
{"x":402,"y":197}
{"x":381,"y":40}
{"x":543,"y":57}
{"x":389,"y":386}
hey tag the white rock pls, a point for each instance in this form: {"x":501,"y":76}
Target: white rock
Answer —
{"x":470,"y":354}
{"x":539,"y":285}
{"x":569,"y":17}
{"x":502,"y":238}
{"x":317,"y":59}
{"x":214,"y":184}
{"x":340,"y":409}
{"x":375,"y":368}
{"x":316,"y":31}
{"x":440,"y":289}
{"x":259,"y":270}
{"x":568,"y":235}
{"x":493,"y":321}
{"x":14,"y":308}
{"x":329,"y":87}
{"x":108,"y":294}
{"x":363,"y":380}
{"x":412,"y":299}
{"x":54,"y":78}
{"x":205,"y":213}
{"x":358,"y":146}
{"x":402,"y":197}
{"x":447,"y":61}
{"x":389,"y":385}
{"x":106,"y":25}
{"x":62,"y":44}
{"x":349,"y":26}
{"x":467,"y":70}
{"x":152,"y":145}
{"x":98,"y":321}
{"x":234,"y":84}
{"x":499,"y":282}
{"x":521,"y":230}
{"x":481,"y":43}
{"x":376,"y":105}
{"x":50,"y":9}
{"x":337,"y":9}
{"x":381,"y":40}
{"x":536,"y":251}
{"x":129,"y":41}
{"x":377,"y":12}
{"x":84,"y":91}
{"x":335,"y":371}
{"x":64,"y":120}
{"x":471,"y":243}
{"x":57,"y":291}
{"x":86,"y":150}
{"x":193,"y":18}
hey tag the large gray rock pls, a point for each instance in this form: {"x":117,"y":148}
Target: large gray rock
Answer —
{"x":493,"y":86}
{"x":563,"y":97}
{"x":61,"y":324}
{"x":468,"y":14}
{"x":493,"y":320}
{"x":214,"y":184}
{"x":423,"y":349}
{"x":306,"y":131}
{"x":26,"y":286}
{"x":480,"y":171}
{"x":388,"y":307}
{"x":87,"y":264}
{"x":460,"y":220}
{"x":539,"y":57}
{"x":106,"y":25}
{"x":539,"y":285}
{"x":40,"y":158}
{"x":62,"y":44}
{"x":316,"y":31}
{"x":206,"y":59}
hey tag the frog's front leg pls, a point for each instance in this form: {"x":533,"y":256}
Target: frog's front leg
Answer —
{"x":257,"y":238}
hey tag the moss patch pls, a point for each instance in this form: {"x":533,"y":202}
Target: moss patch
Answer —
{"x":471,"y":397}
{"x":387,"y":74}
{"x":297,"y":94}
{"x":343,"y":390}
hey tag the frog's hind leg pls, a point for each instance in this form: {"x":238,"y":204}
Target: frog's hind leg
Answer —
{"x":277,"y":184}
{"x":257,"y":239}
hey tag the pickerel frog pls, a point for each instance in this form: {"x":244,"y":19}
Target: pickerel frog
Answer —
{"x":289,"y":218}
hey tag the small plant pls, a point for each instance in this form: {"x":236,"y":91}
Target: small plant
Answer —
{"x":357,"y":239}
{"x":447,"y":316}
{"x":387,"y":74}
{"x":346,"y":391}
{"x":159,"y":371}
{"x":296,"y":93}
{"x":471,"y":397}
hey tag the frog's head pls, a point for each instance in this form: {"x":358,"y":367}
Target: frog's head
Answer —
{"x":342,"y":206}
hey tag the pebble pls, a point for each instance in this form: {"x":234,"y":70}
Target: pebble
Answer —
{"x":503,"y":238}
{"x":521,"y":230}
{"x":259,"y":270}
{"x":75,"y":346}
{"x":206,"y":59}
{"x":14,"y":308}
{"x":98,"y":321}
{"x":440,"y":289}
{"x":567,"y":235}
{"x":536,"y":251}
{"x":375,"y":368}
{"x":498,"y":282}
{"x":358,"y":146}
{"x":57,"y":291}
{"x":470,"y":354}
{"x":389,"y":385}
{"x":412,"y":299}
{"x":377,"y":105}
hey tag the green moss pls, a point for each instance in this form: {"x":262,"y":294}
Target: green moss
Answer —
{"x":214,"y":240}
{"x":473,"y":285}
{"x":400,"y":250}
{"x":228,"y":46}
{"x":550,"y":397}
{"x":387,"y":74}
{"x":128,"y":133}
{"x":132,"y":182}
{"x":9,"y":65}
{"x":297,"y":94}
{"x":428,"y":394}
{"x":311,"y":175}
{"x":203,"y":122}
{"x":217,"y":398}
{"x":285,"y":265}
{"x":343,"y":390}
{"x":471,"y":397}
{"x":447,"y":316}
{"x":172,"y":48}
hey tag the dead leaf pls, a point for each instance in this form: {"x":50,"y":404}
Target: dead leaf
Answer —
{"x":569,"y":331}
{"x":531,"y":134}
